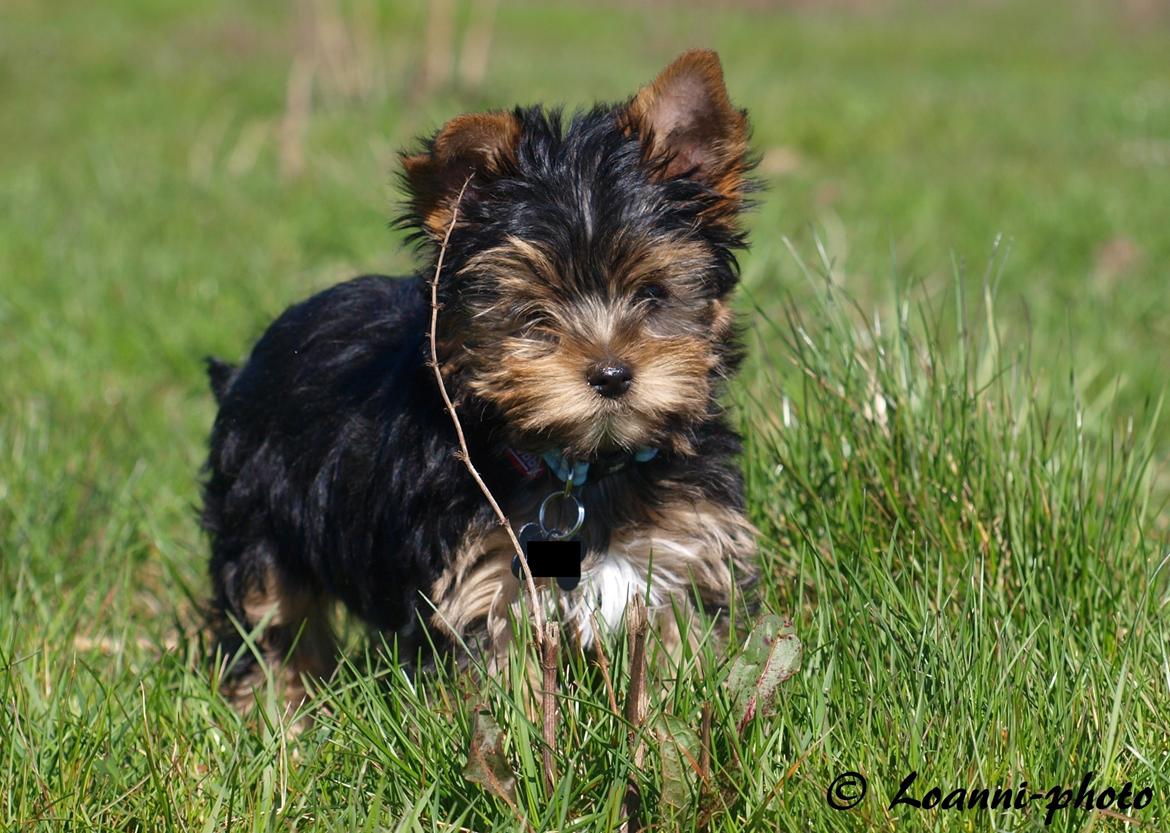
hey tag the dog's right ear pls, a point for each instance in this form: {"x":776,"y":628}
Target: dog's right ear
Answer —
{"x":478,"y":144}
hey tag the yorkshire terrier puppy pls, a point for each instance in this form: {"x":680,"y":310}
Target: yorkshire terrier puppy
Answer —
{"x":585,"y":333}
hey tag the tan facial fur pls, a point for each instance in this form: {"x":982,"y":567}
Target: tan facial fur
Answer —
{"x":530,"y":349}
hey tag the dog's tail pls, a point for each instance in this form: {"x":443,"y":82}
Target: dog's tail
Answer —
{"x":221,"y":374}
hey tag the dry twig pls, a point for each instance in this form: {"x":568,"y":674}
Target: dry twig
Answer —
{"x":549,"y":652}
{"x":477,"y":44}
{"x":603,"y":663}
{"x":437,"y":55}
{"x":290,"y":135}
{"x":637,"y":624}
{"x":465,"y":455}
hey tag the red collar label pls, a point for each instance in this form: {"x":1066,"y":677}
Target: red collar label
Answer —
{"x":529,"y":466}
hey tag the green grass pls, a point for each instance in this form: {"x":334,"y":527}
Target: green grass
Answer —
{"x":954,"y":448}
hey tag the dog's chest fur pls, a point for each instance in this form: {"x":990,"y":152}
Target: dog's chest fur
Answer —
{"x":686,"y":552}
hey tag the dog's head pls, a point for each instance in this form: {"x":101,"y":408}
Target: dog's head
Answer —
{"x":587,"y":275}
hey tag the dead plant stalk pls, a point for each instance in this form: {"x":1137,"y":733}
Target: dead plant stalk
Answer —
{"x":464,"y":453}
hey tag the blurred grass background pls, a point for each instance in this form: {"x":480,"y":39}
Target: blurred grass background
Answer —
{"x":172,"y":175}
{"x":188,"y":170}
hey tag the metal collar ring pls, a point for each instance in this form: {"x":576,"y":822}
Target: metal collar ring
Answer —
{"x":554,"y":533}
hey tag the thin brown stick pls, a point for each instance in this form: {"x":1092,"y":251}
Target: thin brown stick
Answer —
{"x":438,"y":54}
{"x":549,"y":654}
{"x":465,"y":454}
{"x":603,"y":663}
{"x":637,"y":623}
{"x":477,"y":44}
{"x":298,"y":104}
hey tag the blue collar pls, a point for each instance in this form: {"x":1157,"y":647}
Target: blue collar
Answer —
{"x":562,"y":467}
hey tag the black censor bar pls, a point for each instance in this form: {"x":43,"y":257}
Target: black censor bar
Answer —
{"x":554,"y":559}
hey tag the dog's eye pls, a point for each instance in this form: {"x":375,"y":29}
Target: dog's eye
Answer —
{"x":654,"y":293}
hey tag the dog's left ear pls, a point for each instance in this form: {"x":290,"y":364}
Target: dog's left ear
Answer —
{"x":480,"y":145}
{"x":686,"y":119}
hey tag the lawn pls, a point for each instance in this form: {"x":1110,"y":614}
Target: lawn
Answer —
{"x":956,"y":452}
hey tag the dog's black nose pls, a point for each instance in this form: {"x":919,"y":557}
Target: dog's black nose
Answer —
{"x":610,"y":379}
